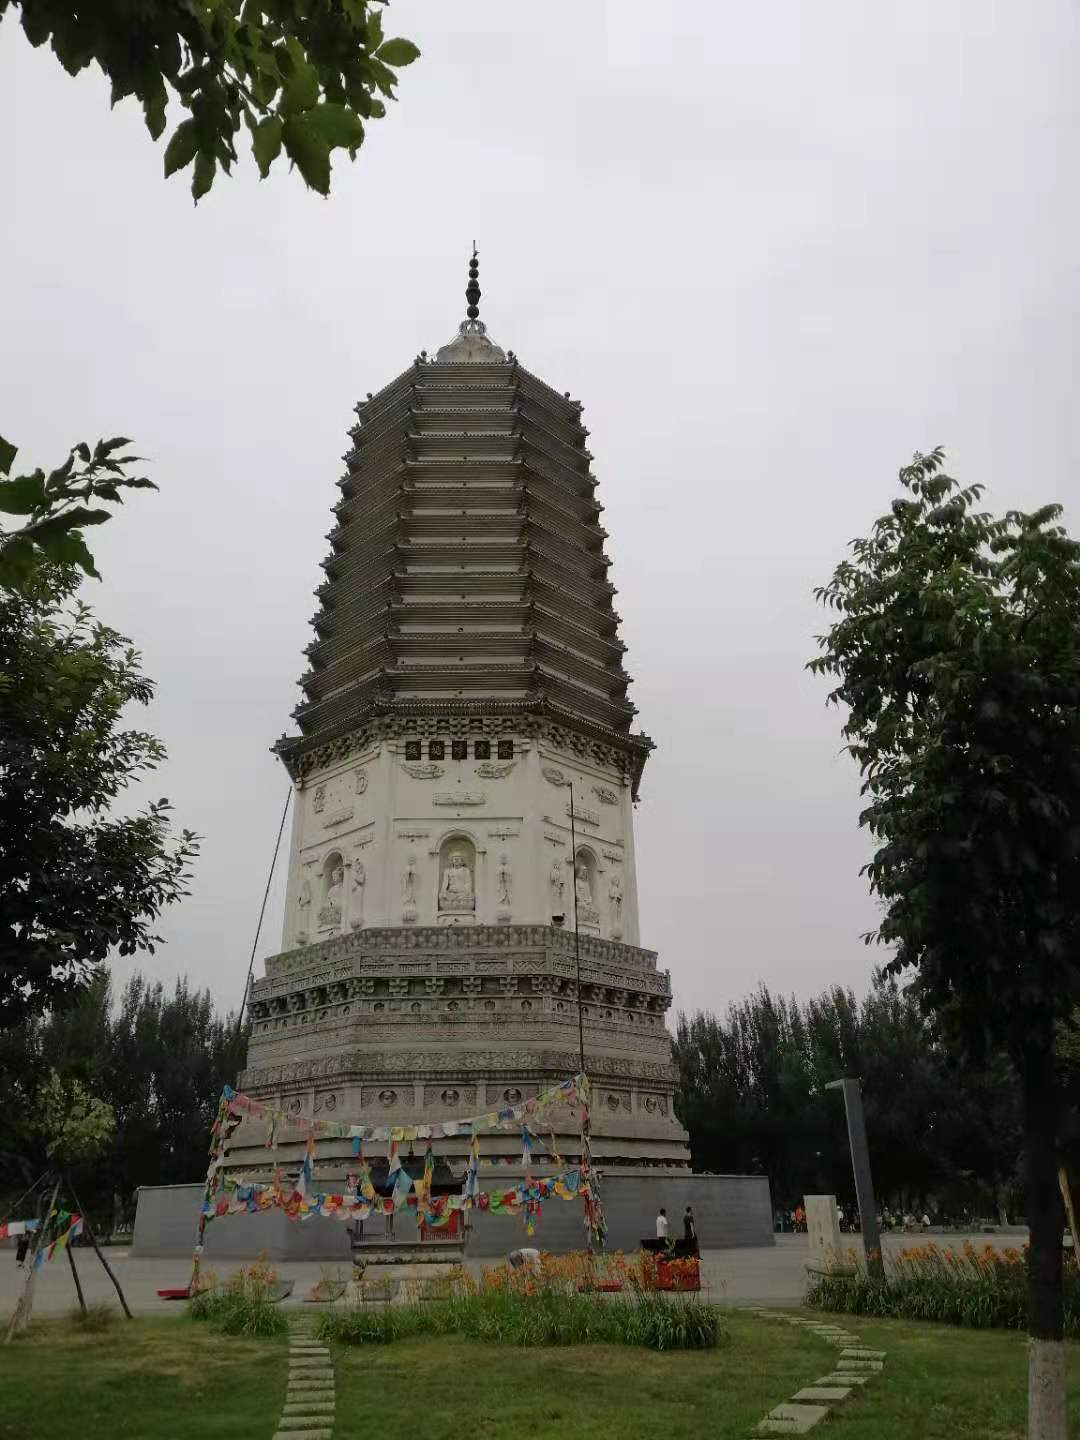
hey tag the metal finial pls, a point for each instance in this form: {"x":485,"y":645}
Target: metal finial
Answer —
{"x":472,"y":293}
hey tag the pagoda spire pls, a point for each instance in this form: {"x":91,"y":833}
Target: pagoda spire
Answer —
{"x":472,"y":292}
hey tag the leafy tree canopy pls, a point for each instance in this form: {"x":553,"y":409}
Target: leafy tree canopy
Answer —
{"x":77,"y":881}
{"x":303,"y":76}
{"x":957,"y":657}
{"x":77,"y":1125}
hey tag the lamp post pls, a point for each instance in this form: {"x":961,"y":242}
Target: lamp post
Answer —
{"x":860,"y":1164}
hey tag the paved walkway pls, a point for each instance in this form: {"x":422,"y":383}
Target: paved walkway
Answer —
{"x":768,"y":1275}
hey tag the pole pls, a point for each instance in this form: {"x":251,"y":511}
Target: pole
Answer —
{"x":860,"y":1164}
{"x":262,"y":912}
{"x":577,"y":937}
{"x":21,"y":1318}
{"x":93,"y":1241}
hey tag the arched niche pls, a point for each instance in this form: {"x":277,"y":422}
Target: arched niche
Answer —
{"x":332,"y":890}
{"x":456,"y":893}
{"x":585,"y":886}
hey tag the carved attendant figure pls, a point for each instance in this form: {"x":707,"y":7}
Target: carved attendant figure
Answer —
{"x":503,"y":880}
{"x":359,"y":880}
{"x":408,"y":892}
{"x":557,"y":885}
{"x":303,"y":902}
{"x":456,"y":891}
{"x":615,"y":900}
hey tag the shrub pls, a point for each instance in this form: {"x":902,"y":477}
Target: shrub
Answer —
{"x":97,"y":1318}
{"x":535,"y":1307}
{"x":982,"y":1290}
{"x":243,"y":1306}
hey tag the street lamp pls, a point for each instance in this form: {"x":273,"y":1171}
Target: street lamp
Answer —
{"x":860,"y":1164}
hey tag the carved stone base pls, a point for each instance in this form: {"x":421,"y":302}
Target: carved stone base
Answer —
{"x":396,"y":1025}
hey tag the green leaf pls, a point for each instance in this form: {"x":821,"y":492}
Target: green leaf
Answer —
{"x":301,"y":89}
{"x":205,"y":165}
{"x":397,"y":52}
{"x":154,"y":109}
{"x":58,"y":476}
{"x":77,"y":515}
{"x":83,"y":451}
{"x":373,"y":29}
{"x":106,"y":447}
{"x":182,"y":148}
{"x":67,"y":547}
{"x":18,"y":559}
{"x":266,"y":143}
{"x":308,"y":151}
{"x":7,"y":455}
{"x":23,"y":495}
{"x":337,"y":125}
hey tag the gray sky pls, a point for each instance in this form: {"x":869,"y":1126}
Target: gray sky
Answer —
{"x":773,"y":249}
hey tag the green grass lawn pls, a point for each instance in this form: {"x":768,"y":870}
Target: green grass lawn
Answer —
{"x":937,"y":1383}
{"x":163,"y":1378}
{"x":944,"y":1383}
{"x":154,"y":1379}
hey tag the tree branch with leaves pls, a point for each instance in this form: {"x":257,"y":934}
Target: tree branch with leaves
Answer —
{"x":303,"y":76}
{"x":60,"y":505}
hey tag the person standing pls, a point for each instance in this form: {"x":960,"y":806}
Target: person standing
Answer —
{"x":662,"y":1225}
{"x":689,"y":1229}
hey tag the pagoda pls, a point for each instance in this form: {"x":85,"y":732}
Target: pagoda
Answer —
{"x":465,"y":772}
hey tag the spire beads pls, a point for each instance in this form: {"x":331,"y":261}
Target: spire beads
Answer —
{"x":472,"y":292}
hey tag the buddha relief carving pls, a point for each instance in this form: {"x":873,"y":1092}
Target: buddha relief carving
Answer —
{"x":334,"y":882}
{"x":457,"y":892}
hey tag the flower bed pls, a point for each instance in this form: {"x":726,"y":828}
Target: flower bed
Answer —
{"x":981,"y":1289}
{"x":560,"y":1301}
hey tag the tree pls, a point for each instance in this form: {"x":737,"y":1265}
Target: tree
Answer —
{"x":302,"y":75}
{"x":751,"y":1093}
{"x":56,"y":507}
{"x":77,"y":881}
{"x":158,"y":1059}
{"x":957,"y":656}
{"x":77,"y":1125}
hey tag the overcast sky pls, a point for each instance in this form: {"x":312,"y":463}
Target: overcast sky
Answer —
{"x":772,"y":248}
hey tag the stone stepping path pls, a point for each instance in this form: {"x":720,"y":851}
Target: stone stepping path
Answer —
{"x":854,"y":1367}
{"x":309,"y":1399}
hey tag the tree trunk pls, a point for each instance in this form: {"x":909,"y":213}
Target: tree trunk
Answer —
{"x":75,"y":1277}
{"x":1046,"y":1220}
{"x":23,"y":1310}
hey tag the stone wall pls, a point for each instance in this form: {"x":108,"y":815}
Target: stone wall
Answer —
{"x":731,"y":1210}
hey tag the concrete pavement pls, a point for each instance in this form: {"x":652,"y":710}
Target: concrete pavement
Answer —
{"x":770,"y":1275}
